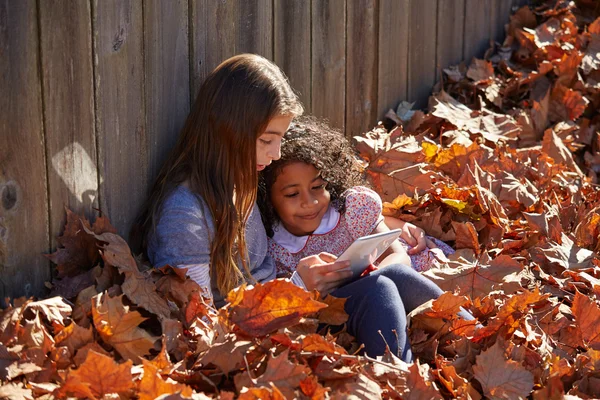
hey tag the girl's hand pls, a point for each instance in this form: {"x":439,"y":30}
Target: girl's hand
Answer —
{"x":412,"y":235}
{"x":322,"y":272}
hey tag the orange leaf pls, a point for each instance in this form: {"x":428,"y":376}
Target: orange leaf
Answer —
{"x":501,"y":377}
{"x":74,"y":337}
{"x":270,"y":306}
{"x":153,"y":385}
{"x":587,"y":316}
{"x":335,"y":313}
{"x":311,"y":387}
{"x":119,"y":327}
{"x":102,"y":375}
{"x":318,"y":344}
{"x":262,"y":393}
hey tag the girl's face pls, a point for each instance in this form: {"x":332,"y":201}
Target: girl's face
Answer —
{"x":300,"y":198}
{"x":268,"y":144}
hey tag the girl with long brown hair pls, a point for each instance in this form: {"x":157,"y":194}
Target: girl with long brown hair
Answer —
{"x":202,"y":213}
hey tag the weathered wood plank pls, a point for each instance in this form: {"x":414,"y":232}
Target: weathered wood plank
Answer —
{"x":450,"y":26}
{"x":167,"y":77}
{"x":291,"y":45}
{"x":230,"y":28}
{"x":23,"y":181}
{"x":477,"y":28}
{"x":361,"y":65}
{"x":68,"y":79}
{"x":393,"y":54}
{"x":120,"y":111}
{"x":329,"y":60}
{"x":421,"y":51}
{"x":198,"y":35}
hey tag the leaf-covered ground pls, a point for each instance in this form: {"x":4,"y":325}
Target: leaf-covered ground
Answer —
{"x":504,"y":166}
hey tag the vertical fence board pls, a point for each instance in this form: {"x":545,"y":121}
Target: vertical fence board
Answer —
{"x":503,"y":9}
{"x":198,"y":21}
{"x":235,"y":27}
{"x":421,"y":51}
{"x":68,"y":79}
{"x":120,"y":119}
{"x":329,"y":60}
{"x":392,"y":85}
{"x":167,"y":78}
{"x":361,"y":66}
{"x":23,"y":192}
{"x":450,"y":25}
{"x":477,"y":28}
{"x":291,"y":45}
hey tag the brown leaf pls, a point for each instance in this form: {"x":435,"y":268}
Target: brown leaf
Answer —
{"x":270,"y":306}
{"x":587,"y":316}
{"x":99,"y":375}
{"x":335,"y":313}
{"x":54,"y":309}
{"x":419,"y":385}
{"x":416,"y":179}
{"x":466,"y":236}
{"x":119,"y":327}
{"x":282,"y":373}
{"x":566,"y":104}
{"x":227,"y":355}
{"x":478,"y":278}
{"x":15,"y":391}
{"x":480,"y":70}
{"x":138,"y":286}
{"x":153,"y":385}
{"x":79,"y":251}
{"x":502,"y":378}
{"x":555,"y":148}
{"x":74,"y":337}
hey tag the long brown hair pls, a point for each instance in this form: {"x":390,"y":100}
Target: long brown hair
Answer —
{"x":216,"y":155}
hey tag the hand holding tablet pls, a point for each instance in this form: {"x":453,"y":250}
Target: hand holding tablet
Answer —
{"x":367,"y":249}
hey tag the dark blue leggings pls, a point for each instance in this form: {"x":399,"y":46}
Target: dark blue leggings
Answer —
{"x":380,"y":302}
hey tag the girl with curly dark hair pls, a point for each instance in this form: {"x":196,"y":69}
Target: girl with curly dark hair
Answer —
{"x":314,"y":207}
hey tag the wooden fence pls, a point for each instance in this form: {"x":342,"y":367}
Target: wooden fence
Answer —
{"x":94,"y":92}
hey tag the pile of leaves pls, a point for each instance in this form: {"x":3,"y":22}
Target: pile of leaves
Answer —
{"x":504,"y":167}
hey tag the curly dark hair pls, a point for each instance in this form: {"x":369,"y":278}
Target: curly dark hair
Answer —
{"x":312,"y":141}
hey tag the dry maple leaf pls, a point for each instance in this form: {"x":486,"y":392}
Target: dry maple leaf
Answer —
{"x":318,"y":344}
{"x":119,"y":327}
{"x":74,"y":337}
{"x":502,"y":378}
{"x":587,"y":316}
{"x":478,"y":278}
{"x":335,"y":313}
{"x":15,"y":391}
{"x":138,"y":286}
{"x":311,"y":387}
{"x":153,"y":385}
{"x":227,"y":355}
{"x":270,"y":306}
{"x":99,"y":375}
{"x":418,"y":385}
{"x":281,"y":372}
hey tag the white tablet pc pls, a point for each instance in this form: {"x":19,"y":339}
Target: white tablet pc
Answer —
{"x":367,"y":249}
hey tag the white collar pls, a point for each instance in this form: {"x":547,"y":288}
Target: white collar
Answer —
{"x":293,"y":243}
